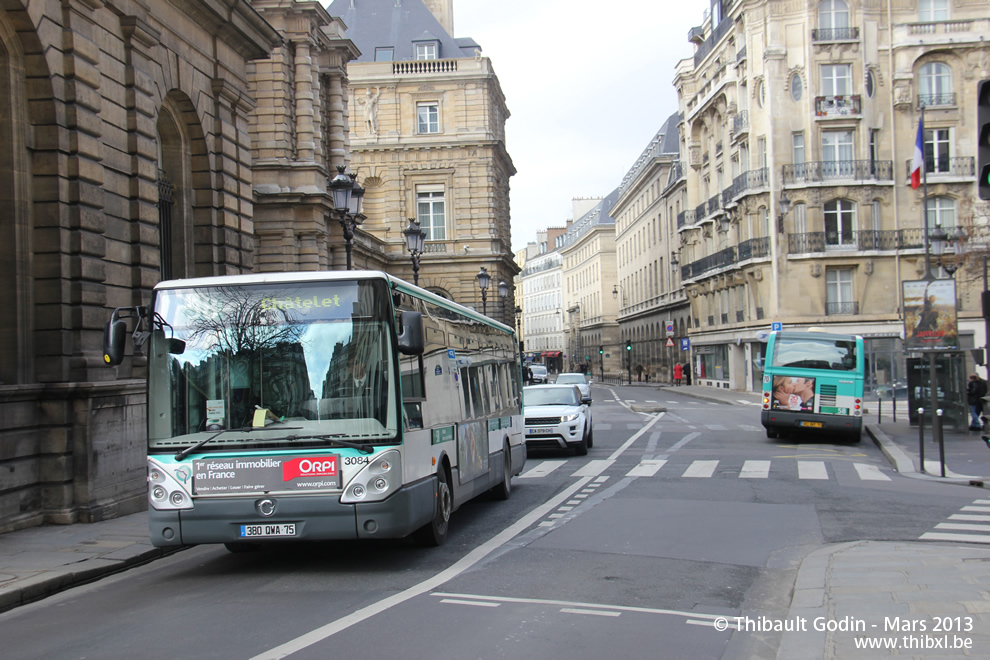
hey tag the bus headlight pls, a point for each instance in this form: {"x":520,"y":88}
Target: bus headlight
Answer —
{"x":376,"y":480}
{"x":165,"y":492}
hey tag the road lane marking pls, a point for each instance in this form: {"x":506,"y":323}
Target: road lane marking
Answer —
{"x":969,"y":538}
{"x":700,"y":469}
{"x":755,"y":470}
{"x":593,"y":468}
{"x":962,"y":527}
{"x":646,"y":468}
{"x":474,"y":603}
{"x":575,"y":610}
{"x":812,"y":470}
{"x":541,"y":469}
{"x":960,"y":516}
{"x":870,"y":472}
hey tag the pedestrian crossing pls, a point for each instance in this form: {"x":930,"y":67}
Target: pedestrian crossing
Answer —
{"x":973,"y":519}
{"x":707,"y":469}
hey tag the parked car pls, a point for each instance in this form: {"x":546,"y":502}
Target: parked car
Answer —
{"x":539,"y":373}
{"x":557,"y":416}
{"x":582,"y":381}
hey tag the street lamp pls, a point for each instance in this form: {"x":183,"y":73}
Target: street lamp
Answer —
{"x":347,"y":196}
{"x":503,"y":292}
{"x":957,"y":241}
{"x":484,"y":279}
{"x":785,"y":206}
{"x":615,"y":293}
{"x":415,"y":238}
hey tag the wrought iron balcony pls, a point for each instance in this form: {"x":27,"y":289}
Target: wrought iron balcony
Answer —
{"x":841,"y":308}
{"x":685,"y":219}
{"x":714,"y":204}
{"x":754,"y":248}
{"x":929,"y":100}
{"x":740,"y":123}
{"x":838,"y":106}
{"x":751,"y":180}
{"x":835,"y":34}
{"x":820,"y":241}
{"x":700,"y":211}
{"x":855,"y":170}
{"x":964,"y":166}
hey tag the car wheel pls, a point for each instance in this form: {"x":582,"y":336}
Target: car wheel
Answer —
{"x":434,"y":533}
{"x":581,"y":448}
{"x":591,"y":437}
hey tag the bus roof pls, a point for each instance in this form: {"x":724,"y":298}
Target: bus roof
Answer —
{"x":802,"y":334}
{"x":330,"y":276}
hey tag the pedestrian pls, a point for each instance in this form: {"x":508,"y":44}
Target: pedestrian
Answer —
{"x":976,"y":389}
{"x":678,"y":374}
{"x":687,"y":373}
{"x":527,"y":375}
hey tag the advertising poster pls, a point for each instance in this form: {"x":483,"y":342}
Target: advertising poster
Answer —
{"x":930,"y":315}
{"x":793,"y":393}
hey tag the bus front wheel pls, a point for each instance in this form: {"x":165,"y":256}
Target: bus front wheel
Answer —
{"x":434,"y":533}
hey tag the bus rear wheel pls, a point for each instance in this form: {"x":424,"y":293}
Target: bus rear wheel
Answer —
{"x":434,"y":533}
{"x":504,"y":489}
{"x":771,"y":433}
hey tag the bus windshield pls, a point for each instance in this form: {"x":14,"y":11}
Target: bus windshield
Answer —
{"x":273,"y":365}
{"x":815,"y":353}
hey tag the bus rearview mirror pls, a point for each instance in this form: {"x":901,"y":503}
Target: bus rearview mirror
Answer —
{"x":113,"y":341}
{"x":411,"y":340}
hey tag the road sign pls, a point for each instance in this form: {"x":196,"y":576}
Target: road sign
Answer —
{"x":685,"y":344}
{"x":776,"y":327}
{"x":670,"y":342}
{"x":670,"y":328}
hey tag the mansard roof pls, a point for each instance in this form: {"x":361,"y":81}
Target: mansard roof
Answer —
{"x":396,"y":24}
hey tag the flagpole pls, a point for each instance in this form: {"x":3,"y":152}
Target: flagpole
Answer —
{"x":924,"y":194}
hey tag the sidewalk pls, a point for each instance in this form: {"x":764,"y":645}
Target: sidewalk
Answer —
{"x":912,"y":581}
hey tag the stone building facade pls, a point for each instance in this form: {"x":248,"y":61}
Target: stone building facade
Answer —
{"x":114,"y":112}
{"x":427,"y":139}
{"x":818,"y":104}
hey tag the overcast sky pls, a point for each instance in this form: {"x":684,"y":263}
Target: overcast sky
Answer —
{"x":588,"y":83}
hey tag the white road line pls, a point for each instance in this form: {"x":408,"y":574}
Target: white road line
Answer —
{"x":574,"y":610}
{"x":812,"y":470}
{"x":593,"y":468}
{"x":748,"y":403}
{"x":541,"y":469}
{"x":755,"y":470}
{"x":646,"y":468}
{"x":475,"y":603}
{"x":971,"y":538}
{"x":467,"y":561}
{"x":976,"y":509}
{"x":961,"y":527}
{"x":960,"y":516}
{"x":981,"y":501}
{"x":701,"y":469}
{"x":716,"y":427}
{"x":870,"y":472}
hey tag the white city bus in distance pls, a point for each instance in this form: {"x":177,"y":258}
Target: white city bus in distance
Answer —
{"x":317,"y":406}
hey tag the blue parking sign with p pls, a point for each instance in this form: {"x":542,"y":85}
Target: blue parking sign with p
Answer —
{"x":775,"y":327}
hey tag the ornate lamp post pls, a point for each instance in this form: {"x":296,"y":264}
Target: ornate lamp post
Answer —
{"x":503,"y":292}
{"x":415,"y":238}
{"x":957,"y":241}
{"x":784,"y":206}
{"x":347,"y":198}
{"x":484,"y":279}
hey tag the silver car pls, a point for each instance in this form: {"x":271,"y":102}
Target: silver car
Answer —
{"x":557,"y":416}
{"x":539,"y":373}
{"x":582,"y":381}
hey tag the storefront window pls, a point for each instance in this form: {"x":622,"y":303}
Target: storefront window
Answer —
{"x":713,"y":362}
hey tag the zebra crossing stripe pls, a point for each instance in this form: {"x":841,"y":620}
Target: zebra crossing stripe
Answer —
{"x":870,"y":472}
{"x":963,"y":527}
{"x":701,"y":469}
{"x":970,"y":538}
{"x":755,"y":470}
{"x":541,"y":469}
{"x":646,"y":468}
{"x":812,"y":470}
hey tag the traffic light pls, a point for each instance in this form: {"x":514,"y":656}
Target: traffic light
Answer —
{"x":601,"y":350}
{"x":983,"y":147}
{"x":628,"y":345}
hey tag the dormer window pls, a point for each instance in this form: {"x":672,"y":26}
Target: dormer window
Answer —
{"x":426,"y":50}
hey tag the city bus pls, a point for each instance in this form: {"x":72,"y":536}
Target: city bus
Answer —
{"x":813,"y":383}
{"x":319,"y":406}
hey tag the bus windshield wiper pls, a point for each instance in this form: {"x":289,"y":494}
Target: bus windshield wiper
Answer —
{"x":334,"y":437}
{"x":181,"y":454}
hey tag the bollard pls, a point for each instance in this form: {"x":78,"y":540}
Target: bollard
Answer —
{"x":893,"y":407}
{"x":941,"y":441}
{"x":879,"y":409}
{"x":921,"y":436}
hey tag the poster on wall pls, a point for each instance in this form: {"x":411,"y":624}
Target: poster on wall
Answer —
{"x":930,"y":315}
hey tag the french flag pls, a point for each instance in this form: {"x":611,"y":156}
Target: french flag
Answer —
{"x":918,"y":161}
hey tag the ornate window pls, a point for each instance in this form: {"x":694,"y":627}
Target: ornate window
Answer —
{"x":431,"y":211}
{"x":933,"y":10}
{"x":833,"y":15}
{"x":840,"y":224}
{"x":797,"y":87}
{"x":935,"y":84}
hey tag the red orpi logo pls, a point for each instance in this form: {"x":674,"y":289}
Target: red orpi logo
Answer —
{"x":312,"y":466}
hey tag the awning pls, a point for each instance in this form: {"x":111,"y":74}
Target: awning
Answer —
{"x":550,"y":354}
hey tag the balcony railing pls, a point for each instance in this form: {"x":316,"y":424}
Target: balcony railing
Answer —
{"x":841,"y":308}
{"x":696,"y":34}
{"x":754,"y":248}
{"x":740,"y":54}
{"x":700,"y":211}
{"x":751,"y":180}
{"x":838,"y":106}
{"x":740,"y":123}
{"x":947,"y":167}
{"x":714,"y":204}
{"x":434,"y":247}
{"x":820,"y":241}
{"x":856,"y":170}
{"x":720,"y":259}
{"x":835,"y":34}
{"x":685,"y":219}
{"x":424,"y":66}
{"x":929,"y":100}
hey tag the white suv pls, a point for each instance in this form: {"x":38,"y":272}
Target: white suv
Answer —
{"x":557,"y":416}
{"x":539,"y":373}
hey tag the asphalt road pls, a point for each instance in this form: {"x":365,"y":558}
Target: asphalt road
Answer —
{"x":674,"y":518}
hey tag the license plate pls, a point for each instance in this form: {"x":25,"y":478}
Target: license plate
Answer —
{"x":256,"y":531}
{"x":541,"y":431}
{"x":814,"y":425}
